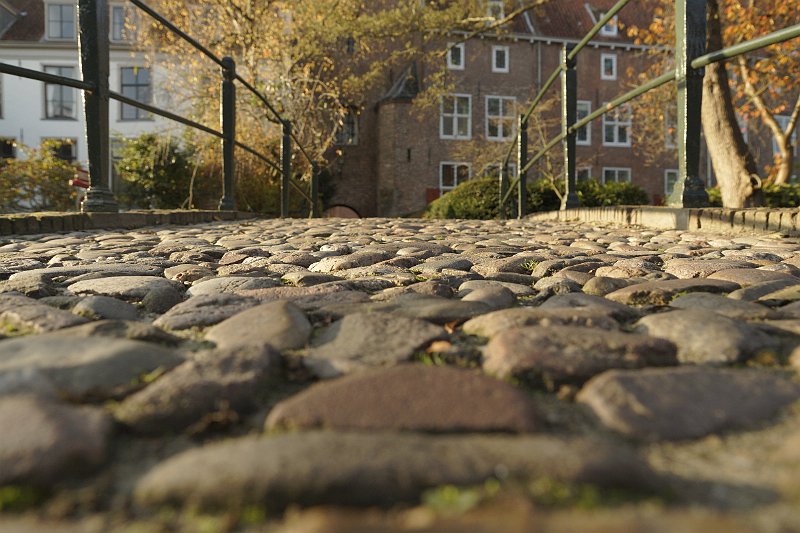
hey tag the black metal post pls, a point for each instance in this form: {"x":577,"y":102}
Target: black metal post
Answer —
{"x":522,"y":162}
{"x":93,"y":42}
{"x":503,"y":189}
{"x":569,"y":115}
{"x":228,"y":123}
{"x":314,"y":190}
{"x":286,"y":165}
{"x":690,"y":43}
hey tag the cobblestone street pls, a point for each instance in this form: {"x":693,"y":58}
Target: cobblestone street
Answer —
{"x":399,"y":375}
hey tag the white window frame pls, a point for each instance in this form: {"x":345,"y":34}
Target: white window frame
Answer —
{"x":442,"y":188}
{"x":506,"y":51}
{"x":71,"y":141}
{"x":450,"y":63}
{"x":141,"y":115}
{"x":48,"y":29}
{"x":62,"y":89}
{"x":496,"y":9}
{"x":613,"y":58}
{"x":616,"y":171}
{"x":611,"y":28}
{"x":667,"y":173}
{"x":454,"y":118}
{"x":501,"y":118}
{"x":588,"y":173}
{"x":612,"y":118}
{"x":587,"y":129}
{"x":127,"y":13}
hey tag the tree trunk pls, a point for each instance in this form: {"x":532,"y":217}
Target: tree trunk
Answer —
{"x":733,"y":163}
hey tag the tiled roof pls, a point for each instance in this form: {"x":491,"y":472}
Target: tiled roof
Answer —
{"x":572,"y":19}
{"x":30,"y":21}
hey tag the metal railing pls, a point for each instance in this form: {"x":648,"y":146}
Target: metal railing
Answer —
{"x":93,"y":42}
{"x":690,"y":60}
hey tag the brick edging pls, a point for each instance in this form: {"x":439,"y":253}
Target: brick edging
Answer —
{"x":34,"y":223}
{"x":716,"y":219}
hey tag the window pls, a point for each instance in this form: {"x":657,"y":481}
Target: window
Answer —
{"x":611,"y":29}
{"x":456,"y":117}
{"x":60,"y":101}
{"x":616,"y":127}
{"x":455,"y":56}
{"x":583,"y":174}
{"x":452,"y":174}
{"x":671,"y":126}
{"x":347,"y":134}
{"x":8,"y":148}
{"x":584,"y":135}
{"x":66,"y":149}
{"x":500,"y":117}
{"x":608,"y":66}
{"x":670,"y":179}
{"x":496,"y":9}
{"x":61,"y":21}
{"x":120,"y":24}
{"x":135,"y":84}
{"x":616,"y":174}
{"x":499,"y":58}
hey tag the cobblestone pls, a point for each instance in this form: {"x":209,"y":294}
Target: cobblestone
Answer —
{"x":253,"y":366}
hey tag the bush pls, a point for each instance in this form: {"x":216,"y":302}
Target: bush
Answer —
{"x":157,"y":173}
{"x":787,"y":195}
{"x":39,"y":182}
{"x":479,"y":198}
{"x":594,"y":194}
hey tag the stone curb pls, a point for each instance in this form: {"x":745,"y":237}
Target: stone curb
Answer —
{"x":715,"y":219}
{"x":33,"y":223}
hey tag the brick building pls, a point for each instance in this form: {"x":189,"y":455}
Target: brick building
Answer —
{"x":396,"y":159}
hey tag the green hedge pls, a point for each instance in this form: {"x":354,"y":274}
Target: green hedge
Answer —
{"x":478,"y":198}
{"x":787,"y":195}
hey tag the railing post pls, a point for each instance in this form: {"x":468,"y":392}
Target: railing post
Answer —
{"x":690,"y":43}
{"x":228,"y":123}
{"x":286,"y":165}
{"x":569,"y":114}
{"x":93,"y":42}
{"x":503,"y":189}
{"x":522,"y":162}
{"x":314,"y":190}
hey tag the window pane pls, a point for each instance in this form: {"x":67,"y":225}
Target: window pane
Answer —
{"x":447,"y":127}
{"x":622,"y":134}
{"x":500,"y":58}
{"x":448,"y":105}
{"x":463,"y":105}
{"x":493,"y":105}
{"x":609,"y":175}
{"x":463,"y":127}
{"x":624,"y":175}
{"x":455,"y":56}
{"x":448,"y":176}
{"x":608,"y":133}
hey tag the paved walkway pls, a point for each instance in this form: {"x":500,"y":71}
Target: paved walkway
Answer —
{"x":399,"y":375}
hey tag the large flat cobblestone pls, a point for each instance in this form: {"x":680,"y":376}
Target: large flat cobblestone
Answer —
{"x":428,"y":375}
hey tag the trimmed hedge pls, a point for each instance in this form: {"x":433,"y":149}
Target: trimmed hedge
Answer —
{"x":479,"y":198}
{"x":787,"y":195}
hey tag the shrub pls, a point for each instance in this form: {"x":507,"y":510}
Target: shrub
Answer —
{"x":594,"y":194}
{"x":39,"y":182}
{"x":479,"y":198}
{"x":787,"y":195}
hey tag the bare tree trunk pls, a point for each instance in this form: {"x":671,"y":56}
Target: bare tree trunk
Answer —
{"x":733,"y":163}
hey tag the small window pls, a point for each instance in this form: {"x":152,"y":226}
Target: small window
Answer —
{"x":583,"y":174}
{"x":617,"y":127}
{"x":616,"y":174}
{"x":583,"y":136}
{"x":60,"y":101}
{"x":8,"y":148}
{"x":608,"y":66}
{"x":670,"y":179}
{"x":61,"y":21}
{"x":121,"y":24}
{"x":452,"y":174}
{"x":347,"y":134}
{"x":611,"y":28}
{"x":500,"y":117}
{"x":456,"y":117}
{"x":66,"y":149}
{"x":135,"y":84}
{"x":496,"y":9}
{"x":500,"y":59}
{"x":350,"y":45}
{"x":455,"y":56}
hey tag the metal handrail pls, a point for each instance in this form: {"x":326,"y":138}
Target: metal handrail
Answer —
{"x":697,"y":63}
{"x":5,"y":68}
